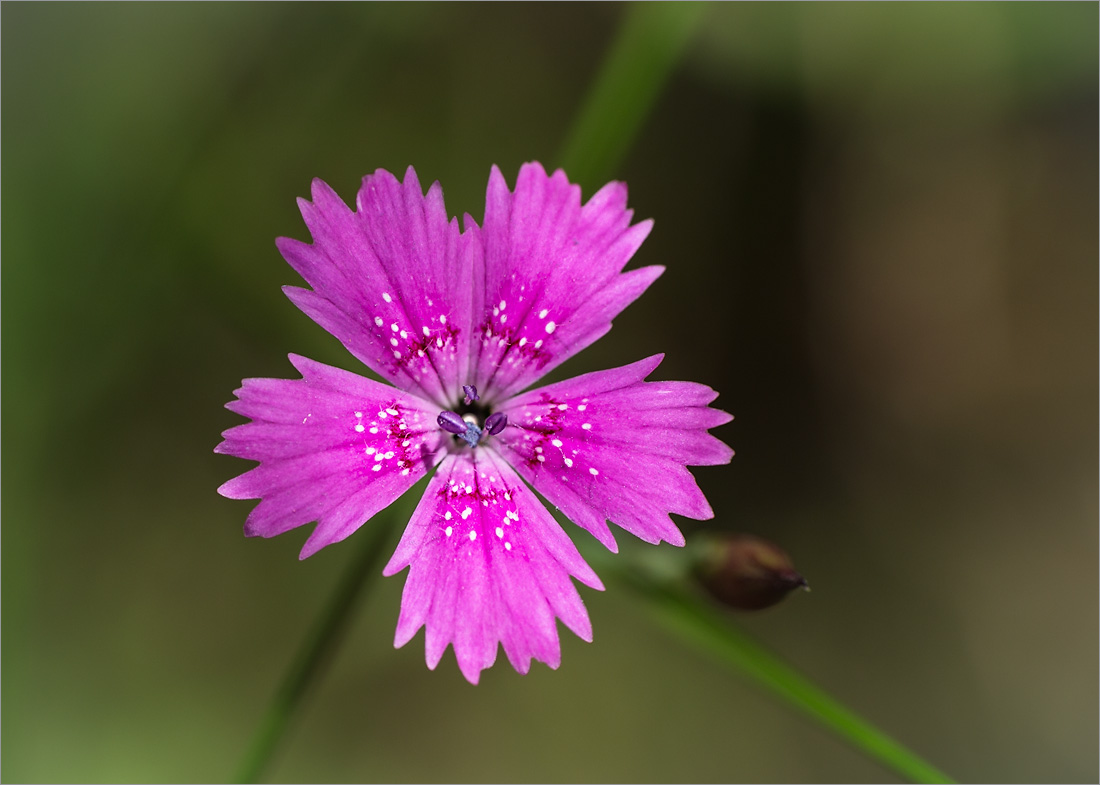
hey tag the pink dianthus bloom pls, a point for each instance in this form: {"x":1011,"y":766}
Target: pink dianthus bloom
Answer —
{"x":460,"y":322}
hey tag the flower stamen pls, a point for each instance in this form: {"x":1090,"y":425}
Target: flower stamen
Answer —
{"x":467,"y":429}
{"x":451,"y":422}
{"x":496,"y":423}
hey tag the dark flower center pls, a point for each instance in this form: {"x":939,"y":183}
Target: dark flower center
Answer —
{"x":465,"y":425}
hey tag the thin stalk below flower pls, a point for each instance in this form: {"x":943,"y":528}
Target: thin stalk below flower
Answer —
{"x":697,"y":621}
{"x":318,"y":647}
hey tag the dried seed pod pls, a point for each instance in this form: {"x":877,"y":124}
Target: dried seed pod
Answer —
{"x":747,"y":572}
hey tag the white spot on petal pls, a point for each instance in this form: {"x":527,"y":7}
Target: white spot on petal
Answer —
{"x":359,"y":428}
{"x":593,"y":471}
{"x":543,"y":312}
{"x":466,"y":513}
{"x":550,"y":327}
{"x":507,"y":546}
{"x":473,"y":536}
{"x":386,"y":297}
{"x":556,"y":442}
{"x":587,"y":426}
{"x":376,"y":467}
{"x":448,"y":531}
{"x":378,"y":320}
{"x":500,"y":532}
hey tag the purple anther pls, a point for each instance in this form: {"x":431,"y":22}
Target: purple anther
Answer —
{"x":496,"y":422}
{"x":471,"y":394}
{"x":451,"y":423}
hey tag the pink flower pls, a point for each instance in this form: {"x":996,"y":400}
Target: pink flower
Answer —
{"x":460,"y":323}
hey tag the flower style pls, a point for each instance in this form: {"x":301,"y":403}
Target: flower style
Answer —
{"x":460,"y":322}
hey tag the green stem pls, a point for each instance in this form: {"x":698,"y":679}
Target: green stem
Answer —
{"x":695,"y":619}
{"x":317,"y":648}
{"x":640,"y":60}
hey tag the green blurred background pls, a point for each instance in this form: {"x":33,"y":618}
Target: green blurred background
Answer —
{"x":880,"y":229}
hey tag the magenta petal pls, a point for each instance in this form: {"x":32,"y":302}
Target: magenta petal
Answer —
{"x":610,"y":446}
{"x":393,"y":281}
{"x":488,"y":564}
{"x":553,"y":275}
{"x":333,"y":447}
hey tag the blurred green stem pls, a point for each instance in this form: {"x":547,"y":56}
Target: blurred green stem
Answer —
{"x":647,"y":47}
{"x":318,"y":646}
{"x":640,"y":60}
{"x":695,"y":619}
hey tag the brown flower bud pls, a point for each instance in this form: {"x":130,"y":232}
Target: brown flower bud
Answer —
{"x":746,"y":572}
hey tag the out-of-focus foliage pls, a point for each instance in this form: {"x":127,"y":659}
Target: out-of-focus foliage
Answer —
{"x":880,"y":229}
